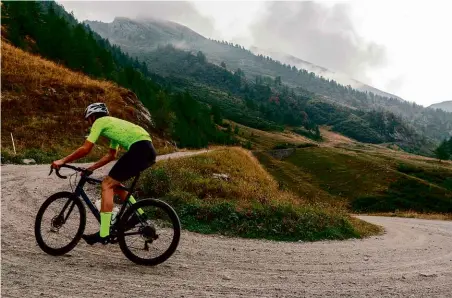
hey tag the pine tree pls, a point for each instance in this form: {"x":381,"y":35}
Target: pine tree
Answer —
{"x":443,"y":152}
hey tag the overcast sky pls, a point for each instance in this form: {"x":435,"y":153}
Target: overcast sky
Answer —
{"x":402,"y":47}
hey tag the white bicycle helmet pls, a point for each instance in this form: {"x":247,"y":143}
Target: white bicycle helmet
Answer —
{"x":97,"y":107}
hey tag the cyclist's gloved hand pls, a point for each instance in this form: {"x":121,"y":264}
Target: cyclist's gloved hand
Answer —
{"x":57,"y":164}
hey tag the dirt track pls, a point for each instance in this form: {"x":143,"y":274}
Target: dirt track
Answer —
{"x":413,"y":259}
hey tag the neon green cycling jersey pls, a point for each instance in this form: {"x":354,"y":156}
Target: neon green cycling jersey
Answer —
{"x":120,"y":132}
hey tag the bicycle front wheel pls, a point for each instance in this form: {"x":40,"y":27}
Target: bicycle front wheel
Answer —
{"x":149,"y":232}
{"x":60,"y":223}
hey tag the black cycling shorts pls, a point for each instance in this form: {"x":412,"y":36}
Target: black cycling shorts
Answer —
{"x":141,"y":155}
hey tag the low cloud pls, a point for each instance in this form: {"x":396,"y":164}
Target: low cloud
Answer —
{"x":320,"y":34}
{"x":178,"y":11}
{"x":395,"y":84}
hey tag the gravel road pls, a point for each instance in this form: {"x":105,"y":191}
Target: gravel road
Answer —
{"x":412,"y":259}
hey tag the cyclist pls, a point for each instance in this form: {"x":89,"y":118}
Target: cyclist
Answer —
{"x":139,"y":156}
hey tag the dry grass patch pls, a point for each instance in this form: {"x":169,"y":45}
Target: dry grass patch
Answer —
{"x":43,"y":103}
{"x":264,"y":140}
{"x":363,"y":181}
{"x":332,"y":139}
{"x":245,"y":180}
{"x":245,"y":201}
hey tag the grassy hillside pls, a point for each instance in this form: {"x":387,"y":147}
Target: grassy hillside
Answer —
{"x":43,"y":105}
{"x":367,"y":179}
{"x":245,"y":202}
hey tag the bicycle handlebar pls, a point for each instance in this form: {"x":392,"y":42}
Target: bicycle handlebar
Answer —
{"x":57,"y":171}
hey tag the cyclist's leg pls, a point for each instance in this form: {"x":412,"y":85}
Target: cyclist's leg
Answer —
{"x":108,"y":184}
{"x":123,"y":194}
{"x":118,"y":173}
{"x":142,"y":155}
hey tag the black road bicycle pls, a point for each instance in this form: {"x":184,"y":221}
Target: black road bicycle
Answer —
{"x":152,"y":222}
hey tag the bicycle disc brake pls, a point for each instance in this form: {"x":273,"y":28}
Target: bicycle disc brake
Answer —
{"x":57,"y":223}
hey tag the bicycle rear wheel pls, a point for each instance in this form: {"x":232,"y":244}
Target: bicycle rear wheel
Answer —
{"x":152,"y":237}
{"x":64,"y":217}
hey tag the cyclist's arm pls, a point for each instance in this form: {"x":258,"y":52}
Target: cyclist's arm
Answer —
{"x":96,"y":130}
{"x":110,"y":156}
{"x":79,"y":153}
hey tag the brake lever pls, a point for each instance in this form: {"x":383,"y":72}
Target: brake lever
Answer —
{"x":57,"y":172}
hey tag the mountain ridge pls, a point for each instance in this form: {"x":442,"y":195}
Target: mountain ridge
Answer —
{"x":322,"y":71}
{"x":445,"y":105}
{"x":285,"y":58}
{"x":141,"y":42}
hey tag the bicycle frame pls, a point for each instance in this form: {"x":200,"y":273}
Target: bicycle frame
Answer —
{"x":80,"y":192}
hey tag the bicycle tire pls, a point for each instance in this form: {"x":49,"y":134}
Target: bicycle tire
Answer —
{"x":174,"y":243}
{"x":39,"y":239}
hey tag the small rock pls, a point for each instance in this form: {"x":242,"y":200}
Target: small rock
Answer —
{"x":403,"y":277}
{"x":184,"y":266}
{"x":366,"y":259}
{"x":428,"y":274}
{"x":28,"y":161}
{"x":221,"y":176}
{"x":226,"y":277}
